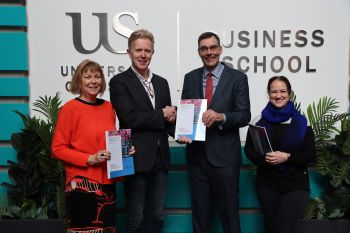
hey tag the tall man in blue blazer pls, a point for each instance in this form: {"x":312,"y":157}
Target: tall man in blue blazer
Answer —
{"x":214,"y":165}
{"x":142,"y":102}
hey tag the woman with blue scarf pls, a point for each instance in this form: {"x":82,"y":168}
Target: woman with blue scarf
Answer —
{"x":282,"y":181}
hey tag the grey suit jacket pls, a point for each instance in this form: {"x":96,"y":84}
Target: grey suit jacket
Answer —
{"x":222,"y":145}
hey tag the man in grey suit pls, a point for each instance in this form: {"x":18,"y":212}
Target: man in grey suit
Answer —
{"x":142,"y":102}
{"x":214,"y":165}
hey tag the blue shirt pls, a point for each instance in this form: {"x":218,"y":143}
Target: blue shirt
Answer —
{"x":216,"y":74}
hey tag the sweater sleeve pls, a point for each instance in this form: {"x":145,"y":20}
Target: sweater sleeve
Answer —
{"x":307,"y":152}
{"x":61,"y":148}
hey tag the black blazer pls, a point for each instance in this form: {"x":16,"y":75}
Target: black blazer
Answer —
{"x":135,"y":111}
{"x":222,"y":145}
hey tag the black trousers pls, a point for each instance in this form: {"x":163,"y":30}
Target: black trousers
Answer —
{"x":145,"y":199}
{"x":282,"y":209}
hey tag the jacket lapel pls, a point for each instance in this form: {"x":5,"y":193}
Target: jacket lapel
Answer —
{"x":199,"y":84}
{"x":139,"y":88}
{"x":157,"y":91}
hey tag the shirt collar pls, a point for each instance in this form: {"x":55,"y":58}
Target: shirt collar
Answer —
{"x":216,"y":72}
{"x":150,"y":75}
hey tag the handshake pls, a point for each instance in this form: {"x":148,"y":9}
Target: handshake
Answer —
{"x":169,"y":113}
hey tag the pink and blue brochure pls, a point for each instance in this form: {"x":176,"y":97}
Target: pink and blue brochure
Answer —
{"x":118,"y":143}
{"x":189,"y":119}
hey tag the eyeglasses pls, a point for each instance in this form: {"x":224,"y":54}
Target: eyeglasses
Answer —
{"x":210,"y":48}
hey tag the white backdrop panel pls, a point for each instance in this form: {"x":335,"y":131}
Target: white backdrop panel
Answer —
{"x":312,"y":36}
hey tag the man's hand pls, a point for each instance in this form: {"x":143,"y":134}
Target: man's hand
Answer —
{"x":184,"y":139}
{"x":170,"y":114}
{"x":210,"y":117}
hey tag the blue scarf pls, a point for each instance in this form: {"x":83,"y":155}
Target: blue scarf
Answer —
{"x":294,"y":137}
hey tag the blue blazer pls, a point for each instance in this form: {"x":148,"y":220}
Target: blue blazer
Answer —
{"x":222,"y":145}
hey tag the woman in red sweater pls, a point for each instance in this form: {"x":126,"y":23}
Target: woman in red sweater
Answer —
{"x":79,"y":141}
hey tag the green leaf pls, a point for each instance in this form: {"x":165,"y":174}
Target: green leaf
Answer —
{"x":332,"y":157}
{"x":35,"y":173}
{"x":310,"y":209}
{"x":322,"y":118}
{"x":336,"y":213}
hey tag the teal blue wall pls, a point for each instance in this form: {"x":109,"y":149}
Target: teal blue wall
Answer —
{"x":14,"y":88}
{"x":178,"y":203}
{"x":14,"y":95}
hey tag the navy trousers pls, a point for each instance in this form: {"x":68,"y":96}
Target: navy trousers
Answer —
{"x":219,"y":184}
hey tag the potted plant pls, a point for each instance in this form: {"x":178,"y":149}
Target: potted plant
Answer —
{"x":36,"y":190}
{"x":331,"y":211}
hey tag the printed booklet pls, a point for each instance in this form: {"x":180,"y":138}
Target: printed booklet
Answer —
{"x":189,"y":119}
{"x":118,"y":142}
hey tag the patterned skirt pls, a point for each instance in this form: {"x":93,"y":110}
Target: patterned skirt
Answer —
{"x":90,"y":206}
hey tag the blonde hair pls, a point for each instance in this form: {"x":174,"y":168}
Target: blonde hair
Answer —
{"x":140,"y":34}
{"x":83,"y":67}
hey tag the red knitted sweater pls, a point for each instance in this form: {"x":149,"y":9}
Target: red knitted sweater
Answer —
{"x":79,"y":133}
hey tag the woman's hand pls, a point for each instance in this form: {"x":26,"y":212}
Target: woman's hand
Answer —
{"x":276,"y":157}
{"x":99,"y":157}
